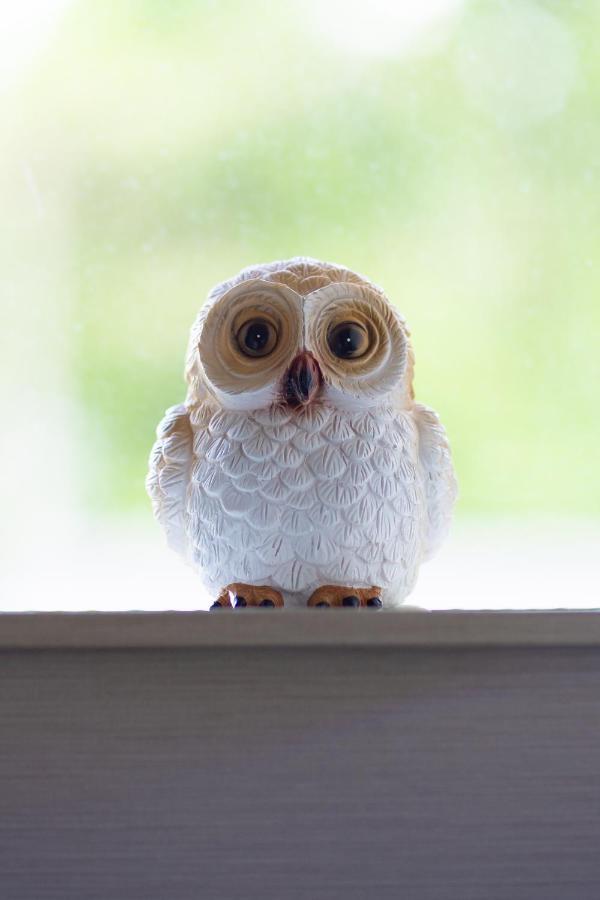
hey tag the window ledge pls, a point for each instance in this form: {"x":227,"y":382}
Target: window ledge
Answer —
{"x":259,"y":628}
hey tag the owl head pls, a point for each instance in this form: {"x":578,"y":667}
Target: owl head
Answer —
{"x":298,"y":332}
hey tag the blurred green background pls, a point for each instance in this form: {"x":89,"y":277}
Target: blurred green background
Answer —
{"x":450,"y":151}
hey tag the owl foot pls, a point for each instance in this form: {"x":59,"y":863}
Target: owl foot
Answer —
{"x":239,"y":595}
{"x":333,"y":595}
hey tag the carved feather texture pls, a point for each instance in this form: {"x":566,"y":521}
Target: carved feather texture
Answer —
{"x":323,"y":520}
{"x":355,"y":489}
{"x":168,"y":474}
{"x":437,"y":474}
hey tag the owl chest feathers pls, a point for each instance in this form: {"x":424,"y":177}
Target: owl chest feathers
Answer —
{"x":298,"y":499}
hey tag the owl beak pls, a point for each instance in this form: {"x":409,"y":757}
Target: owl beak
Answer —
{"x":302,"y":381}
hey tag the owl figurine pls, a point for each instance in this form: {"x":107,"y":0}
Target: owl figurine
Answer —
{"x":300,"y":470}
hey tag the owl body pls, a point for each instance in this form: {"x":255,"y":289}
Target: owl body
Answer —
{"x":299,"y":500}
{"x":350,"y":488}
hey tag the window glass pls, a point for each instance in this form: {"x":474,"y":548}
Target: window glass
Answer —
{"x":449,"y":150}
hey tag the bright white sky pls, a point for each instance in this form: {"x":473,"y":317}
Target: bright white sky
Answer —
{"x":25,"y":28}
{"x":376,"y":27}
{"x":367,"y":27}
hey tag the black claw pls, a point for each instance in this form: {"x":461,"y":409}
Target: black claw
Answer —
{"x":266,"y":603}
{"x":239,"y":601}
{"x":352,"y":600}
{"x":216,"y":605}
{"x":322,"y":603}
{"x":376,"y":602}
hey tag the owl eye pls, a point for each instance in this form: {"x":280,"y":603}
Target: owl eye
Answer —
{"x":348,"y":340}
{"x":257,"y":337}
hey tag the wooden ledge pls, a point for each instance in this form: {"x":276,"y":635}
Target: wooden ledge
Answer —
{"x":303,"y":628}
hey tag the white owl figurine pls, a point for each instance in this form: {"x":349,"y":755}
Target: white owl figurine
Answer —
{"x":300,"y":470}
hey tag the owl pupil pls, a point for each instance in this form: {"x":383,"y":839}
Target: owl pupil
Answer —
{"x":348,"y":340}
{"x":257,"y":336}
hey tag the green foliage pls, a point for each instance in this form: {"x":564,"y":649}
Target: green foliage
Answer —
{"x":182,"y":141}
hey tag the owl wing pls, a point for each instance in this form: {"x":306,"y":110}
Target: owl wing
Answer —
{"x":437,"y":472}
{"x":169,"y":473}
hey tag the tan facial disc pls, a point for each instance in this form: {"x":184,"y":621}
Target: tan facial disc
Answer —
{"x":382,"y":364}
{"x":225,"y":365}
